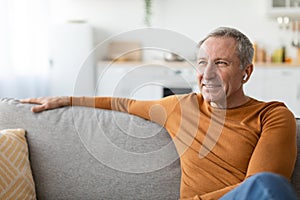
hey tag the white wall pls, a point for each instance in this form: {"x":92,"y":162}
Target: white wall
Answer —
{"x":193,"y":18}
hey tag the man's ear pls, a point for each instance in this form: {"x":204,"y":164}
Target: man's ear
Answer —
{"x":247,"y":73}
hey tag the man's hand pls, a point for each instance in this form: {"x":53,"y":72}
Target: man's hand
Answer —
{"x":47,"y":103}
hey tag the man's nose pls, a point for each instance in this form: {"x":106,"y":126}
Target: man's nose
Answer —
{"x":210,"y":71}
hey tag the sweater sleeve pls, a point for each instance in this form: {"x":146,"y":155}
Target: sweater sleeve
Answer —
{"x":276,"y":149}
{"x":154,"y":110}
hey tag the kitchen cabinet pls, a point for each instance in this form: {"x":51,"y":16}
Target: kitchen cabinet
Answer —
{"x":282,"y":8}
{"x":127,"y":81}
{"x":276,"y":84}
{"x":143,"y":81}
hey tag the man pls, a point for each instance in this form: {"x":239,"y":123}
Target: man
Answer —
{"x":231,"y":146}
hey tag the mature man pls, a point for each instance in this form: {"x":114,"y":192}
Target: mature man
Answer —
{"x":231,"y":146}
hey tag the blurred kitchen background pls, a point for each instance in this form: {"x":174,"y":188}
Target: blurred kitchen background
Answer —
{"x":143,"y":49}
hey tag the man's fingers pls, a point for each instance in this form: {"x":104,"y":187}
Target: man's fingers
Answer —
{"x":29,"y":100}
{"x":38,"y":108}
{"x":24,"y":100}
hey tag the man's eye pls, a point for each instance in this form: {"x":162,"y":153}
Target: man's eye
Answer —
{"x":202,"y":63}
{"x":221,"y":63}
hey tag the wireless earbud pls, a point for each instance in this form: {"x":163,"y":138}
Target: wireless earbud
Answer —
{"x":245,"y":77}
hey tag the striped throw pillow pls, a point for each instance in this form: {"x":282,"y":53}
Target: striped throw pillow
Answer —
{"x":16,"y":181}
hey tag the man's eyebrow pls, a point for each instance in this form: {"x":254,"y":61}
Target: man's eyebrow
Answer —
{"x":220,"y":58}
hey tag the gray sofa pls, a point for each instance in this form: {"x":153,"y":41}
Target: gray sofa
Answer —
{"x":86,"y":153}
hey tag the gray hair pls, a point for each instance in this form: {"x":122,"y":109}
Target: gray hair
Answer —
{"x":245,"y":48}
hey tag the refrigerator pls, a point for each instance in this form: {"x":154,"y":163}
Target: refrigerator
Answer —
{"x":71,"y":60}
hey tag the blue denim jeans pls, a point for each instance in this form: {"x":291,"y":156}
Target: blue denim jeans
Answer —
{"x":263,"y":186}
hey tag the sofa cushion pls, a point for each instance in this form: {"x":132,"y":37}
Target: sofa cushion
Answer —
{"x":16,"y":180}
{"x":85,"y":153}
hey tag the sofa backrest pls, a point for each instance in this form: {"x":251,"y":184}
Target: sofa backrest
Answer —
{"x":83,"y":153}
{"x":86,"y":153}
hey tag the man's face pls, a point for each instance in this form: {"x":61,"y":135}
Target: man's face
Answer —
{"x":219,"y":73}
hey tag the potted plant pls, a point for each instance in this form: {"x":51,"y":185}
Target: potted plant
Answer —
{"x":148,"y":12}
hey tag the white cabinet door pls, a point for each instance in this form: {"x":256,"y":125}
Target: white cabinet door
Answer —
{"x":283,"y":85}
{"x":109,"y":82}
{"x":144,"y":82}
{"x":255,"y":86}
{"x":128,"y":82}
{"x":276,"y":84}
{"x":280,"y":84}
